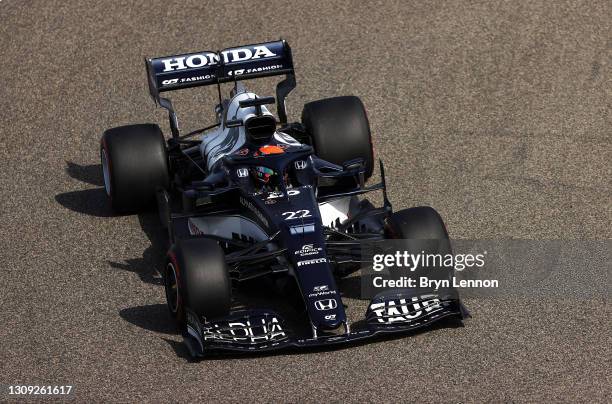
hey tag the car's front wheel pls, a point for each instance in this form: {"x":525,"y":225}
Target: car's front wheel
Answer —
{"x":196,"y":278}
{"x":421,"y":230}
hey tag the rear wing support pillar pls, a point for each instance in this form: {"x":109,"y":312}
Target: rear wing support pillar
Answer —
{"x":172,"y":119}
{"x":282,"y":91}
{"x":162,"y":101}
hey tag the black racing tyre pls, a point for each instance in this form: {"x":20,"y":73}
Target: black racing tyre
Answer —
{"x":196,"y":278}
{"x":134,"y":165}
{"x":339,"y":130}
{"x":421,"y":223}
{"x":422,"y":231}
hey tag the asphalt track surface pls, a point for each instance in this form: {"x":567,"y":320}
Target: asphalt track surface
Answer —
{"x":496,"y":113}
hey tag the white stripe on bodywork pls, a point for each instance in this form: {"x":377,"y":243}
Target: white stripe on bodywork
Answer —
{"x":214,"y":144}
{"x":333,"y":210}
{"x":224,"y":226}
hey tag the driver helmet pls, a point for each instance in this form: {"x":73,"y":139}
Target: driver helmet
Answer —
{"x":263,"y":174}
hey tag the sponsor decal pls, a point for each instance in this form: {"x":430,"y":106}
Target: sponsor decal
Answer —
{"x":187,"y":79}
{"x":326,"y":304}
{"x":308,"y":249}
{"x":330,"y":317}
{"x":242,"y":152}
{"x":322,"y":293}
{"x":402,"y":310}
{"x":254,"y":209}
{"x":242,"y":172}
{"x":278,"y":194}
{"x":252,"y":331}
{"x":311,"y":262}
{"x":212,"y":59}
{"x":239,"y":72}
{"x":322,"y":290}
{"x":275,"y":194}
{"x":196,"y":78}
{"x":300,"y":164}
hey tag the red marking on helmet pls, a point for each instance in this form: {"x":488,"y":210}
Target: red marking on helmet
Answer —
{"x":270,"y":149}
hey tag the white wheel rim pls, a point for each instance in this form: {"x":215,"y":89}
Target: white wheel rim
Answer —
{"x":105,"y":172}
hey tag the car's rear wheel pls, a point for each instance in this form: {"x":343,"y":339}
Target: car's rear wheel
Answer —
{"x":196,"y":278}
{"x":339,"y":130}
{"x":134,"y":165}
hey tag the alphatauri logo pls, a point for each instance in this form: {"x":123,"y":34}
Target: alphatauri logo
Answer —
{"x":211,"y":59}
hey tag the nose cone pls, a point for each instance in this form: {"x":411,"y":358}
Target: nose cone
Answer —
{"x":328,"y":313}
{"x":330,"y":324}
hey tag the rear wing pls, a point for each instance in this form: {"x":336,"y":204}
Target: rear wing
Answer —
{"x":187,"y":70}
{"x":204,"y":68}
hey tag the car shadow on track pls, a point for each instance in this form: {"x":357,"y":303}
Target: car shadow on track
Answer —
{"x":88,"y":201}
{"x":90,"y":174}
{"x":155,"y":317}
{"x":149,"y":266}
{"x":152,"y":317}
{"x":92,"y":202}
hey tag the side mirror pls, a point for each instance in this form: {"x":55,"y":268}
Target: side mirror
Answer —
{"x":353,"y":164}
{"x":356,"y":165}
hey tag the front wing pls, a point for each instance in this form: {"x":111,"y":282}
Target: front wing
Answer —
{"x":391,"y":312}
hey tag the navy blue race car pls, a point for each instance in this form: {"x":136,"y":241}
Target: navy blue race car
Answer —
{"x":256,"y":204}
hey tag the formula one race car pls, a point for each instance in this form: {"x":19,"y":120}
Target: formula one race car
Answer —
{"x":255,"y":199}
